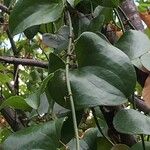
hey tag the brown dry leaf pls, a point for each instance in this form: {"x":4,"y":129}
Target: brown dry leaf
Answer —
{"x":146,"y":91}
{"x":146,"y":18}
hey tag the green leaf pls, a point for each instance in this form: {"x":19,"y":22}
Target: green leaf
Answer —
{"x":27,"y":13}
{"x":59,"y":41}
{"x":45,"y":136}
{"x":139,"y":146}
{"x":104,"y":75}
{"x":120,"y":147}
{"x":96,"y":83}
{"x":4,"y":78}
{"x":134,"y":44}
{"x":92,"y":50}
{"x":130,"y":121}
{"x":16,"y":102}
{"x":55,"y":63}
{"x":31,"y":31}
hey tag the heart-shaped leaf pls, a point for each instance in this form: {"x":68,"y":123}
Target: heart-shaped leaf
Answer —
{"x":45,"y":136}
{"x":27,"y":13}
{"x":103,"y":78}
{"x":92,"y":50}
{"x":131,"y":122}
{"x":58,"y":41}
{"x":136,"y":45}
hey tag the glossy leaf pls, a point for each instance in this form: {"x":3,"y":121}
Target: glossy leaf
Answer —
{"x":104,"y":79}
{"x":134,"y":44}
{"x":88,"y":83}
{"x":27,"y":13}
{"x":139,"y":146}
{"x":45,"y":136}
{"x":58,"y":41}
{"x":131,"y":122}
{"x":16,"y":102}
{"x":92,"y":50}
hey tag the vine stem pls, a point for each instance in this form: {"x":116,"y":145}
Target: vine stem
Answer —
{"x":68,"y":83}
{"x":120,"y":21}
{"x":126,"y":17}
{"x":99,"y":128}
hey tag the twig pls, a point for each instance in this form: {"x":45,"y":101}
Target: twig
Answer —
{"x":15,"y":51}
{"x":23,"y":61}
{"x":12,"y":42}
{"x":68,"y":84}
{"x":126,"y":17}
{"x":4,"y":9}
{"x":120,"y":21}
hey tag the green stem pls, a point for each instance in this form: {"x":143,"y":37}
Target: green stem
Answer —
{"x":99,"y":128}
{"x":68,"y":84}
{"x":120,"y":21}
{"x":143,"y":142}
